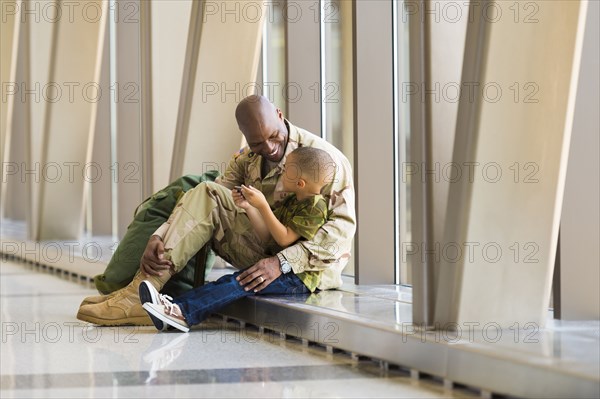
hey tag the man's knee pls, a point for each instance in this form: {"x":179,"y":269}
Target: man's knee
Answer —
{"x":206,"y":187}
{"x":215,"y":190}
{"x":212,"y":186}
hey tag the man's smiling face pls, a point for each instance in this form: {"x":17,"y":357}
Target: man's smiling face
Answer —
{"x":267,"y":135}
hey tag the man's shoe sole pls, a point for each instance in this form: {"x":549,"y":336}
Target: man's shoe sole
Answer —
{"x":131,"y":321}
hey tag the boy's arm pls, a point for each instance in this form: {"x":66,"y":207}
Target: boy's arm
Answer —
{"x":256,"y":219}
{"x":281,"y":234}
{"x":258,"y":224}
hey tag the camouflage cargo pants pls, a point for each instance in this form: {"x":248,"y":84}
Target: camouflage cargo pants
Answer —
{"x":151,"y":213}
{"x":207,"y":214}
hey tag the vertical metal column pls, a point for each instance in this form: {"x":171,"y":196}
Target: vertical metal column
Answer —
{"x":146,"y":98}
{"x":99,"y":204}
{"x":420,"y":187}
{"x":15,"y":115}
{"x":188,"y":81}
{"x":127,"y":166}
{"x":510,"y":210}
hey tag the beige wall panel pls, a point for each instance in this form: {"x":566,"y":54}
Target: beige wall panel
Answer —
{"x":579,"y":234}
{"x":227,"y":66}
{"x":98,"y":172}
{"x":40,"y":33}
{"x":516,"y":196}
{"x":8,"y":14}
{"x":448,"y":27}
{"x":128,"y":162}
{"x":15,"y":200}
{"x":70,"y":122}
{"x":170,"y":23}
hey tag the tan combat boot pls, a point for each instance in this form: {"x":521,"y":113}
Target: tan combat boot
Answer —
{"x":122,"y":307}
{"x":94,"y":299}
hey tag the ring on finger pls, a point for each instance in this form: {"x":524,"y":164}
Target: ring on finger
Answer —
{"x":261,"y":279}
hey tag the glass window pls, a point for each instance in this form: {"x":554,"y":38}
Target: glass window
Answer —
{"x":337,"y":91}
{"x":402,"y":132}
{"x":274,"y":56}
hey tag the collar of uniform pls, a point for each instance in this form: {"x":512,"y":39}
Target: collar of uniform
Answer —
{"x":292,"y":144}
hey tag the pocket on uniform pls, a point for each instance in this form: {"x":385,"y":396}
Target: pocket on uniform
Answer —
{"x":158,"y":207}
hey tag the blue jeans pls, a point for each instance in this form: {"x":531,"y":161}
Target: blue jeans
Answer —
{"x":197,"y":304}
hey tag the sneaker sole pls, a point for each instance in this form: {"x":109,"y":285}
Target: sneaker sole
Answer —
{"x":148,"y":295}
{"x":157,"y":315}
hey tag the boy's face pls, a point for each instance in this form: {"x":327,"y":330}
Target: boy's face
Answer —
{"x":291,"y":174}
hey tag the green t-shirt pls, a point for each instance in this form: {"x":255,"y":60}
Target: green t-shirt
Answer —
{"x":304,"y":217}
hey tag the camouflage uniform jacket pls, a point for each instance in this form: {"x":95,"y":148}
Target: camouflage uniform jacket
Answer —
{"x":329,"y":250}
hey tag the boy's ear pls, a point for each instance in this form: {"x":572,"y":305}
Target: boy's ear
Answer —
{"x":301,"y":183}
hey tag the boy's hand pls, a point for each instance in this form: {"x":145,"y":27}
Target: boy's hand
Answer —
{"x":239,"y":199}
{"x":254,"y":197}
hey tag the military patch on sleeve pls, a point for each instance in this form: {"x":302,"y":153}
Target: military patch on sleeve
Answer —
{"x":240,"y":152}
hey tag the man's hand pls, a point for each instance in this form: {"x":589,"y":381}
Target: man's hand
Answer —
{"x":153,"y":262}
{"x":259,"y":276}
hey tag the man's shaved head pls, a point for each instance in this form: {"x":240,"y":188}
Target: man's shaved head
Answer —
{"x":253,"y":110}
{"x":263,"y":126}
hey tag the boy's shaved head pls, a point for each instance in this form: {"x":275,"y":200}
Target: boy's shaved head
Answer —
{"x":313,"y":164}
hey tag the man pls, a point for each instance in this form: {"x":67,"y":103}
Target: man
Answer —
{"x":299,"y":216}
{"x":270,"y":138}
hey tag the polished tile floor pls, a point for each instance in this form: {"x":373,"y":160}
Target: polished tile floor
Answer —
{"x":47,"y":352}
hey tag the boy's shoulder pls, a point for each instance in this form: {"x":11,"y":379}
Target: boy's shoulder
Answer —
{"x":315,"y":204}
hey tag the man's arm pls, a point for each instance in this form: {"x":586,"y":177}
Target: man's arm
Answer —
{"x":235,"y":172}
{"x":153,"y":262}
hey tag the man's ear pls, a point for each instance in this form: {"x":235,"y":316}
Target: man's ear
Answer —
{"x":301,"y":183}
{"x":279,"y":113}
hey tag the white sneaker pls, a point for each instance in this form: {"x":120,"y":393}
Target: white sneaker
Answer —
{"x":165,"y":314}
{"x":148,"y":293}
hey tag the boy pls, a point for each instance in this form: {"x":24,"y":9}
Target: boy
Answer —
{"x":299,"y":216}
